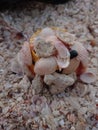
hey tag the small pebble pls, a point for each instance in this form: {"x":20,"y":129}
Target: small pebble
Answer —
{"x":19,"y":99}
{"x":94,"y":128}
{"x":61,"y":122}
{"x":5,"y":109}
{"x":72,"y":128}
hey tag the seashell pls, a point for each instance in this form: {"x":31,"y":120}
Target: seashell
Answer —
{"x":73,"y":75}
{"x":43,"y":48}
{"x":63,"y":57}
{"x":24,"y":56}
{"x":88,"y":77}
{"x":21,"y":68}
{"x":37,"y":84}
{"x":34,"y":36}
{"x":24,"y":59}
{"x":74,"y":64}
{"x":66,"y":37}
{"x":71,"y":117}
{"x":52,"y":39}
{"x":82,"y":53}
{"x":28,"y":70}
{"x":42,"y":33}
{"x":62,"y":62}
{"x":45,"y":66}
{"x":46,"y":32}
{"x":15,"y":67}
{"x":62,"y":50}
{"x":58,"y":82}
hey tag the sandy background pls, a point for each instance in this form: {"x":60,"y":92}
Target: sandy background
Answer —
{"x":20,"y":107}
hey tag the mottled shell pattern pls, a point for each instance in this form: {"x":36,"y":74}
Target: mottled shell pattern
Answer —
{"x":49,"y":51}
{"x":47,"y":46}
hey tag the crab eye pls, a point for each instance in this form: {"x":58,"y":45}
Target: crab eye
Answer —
{"x":73,"y":53}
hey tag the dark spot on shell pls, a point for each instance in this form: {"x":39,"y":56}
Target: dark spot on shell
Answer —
{"x":73,"y":54}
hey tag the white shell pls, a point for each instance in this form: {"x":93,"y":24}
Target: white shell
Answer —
{"x":46,"y":32}
{"x":83,"y":54}
{"x":45,"y":66}
{"x":58,"y":82}
{"x":74,"y":63}
{"x":43,"y":48}
{"x":51,"y":39}
{"x":19,"y":67}
{"x":88,"y":77}
{"x":15,"y":66}
{"x":62,"y":62}
{"x":63,"y":57}
{"x":66,"y":37}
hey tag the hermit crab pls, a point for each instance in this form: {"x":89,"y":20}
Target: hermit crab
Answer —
{"x":55,"y":55}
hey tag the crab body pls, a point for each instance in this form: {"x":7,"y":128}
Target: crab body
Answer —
{"x":51,"y":50}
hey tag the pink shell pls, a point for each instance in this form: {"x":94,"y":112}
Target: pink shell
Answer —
{"x":66,"y":37}
{"x":45,"y":66}
{"x":63,"y":57}
{"x":24,"y":59}
{"x":46,"y":32}
{"x":24,"y":56}
{"x":88,"y":77}
{"x":74,"y":64}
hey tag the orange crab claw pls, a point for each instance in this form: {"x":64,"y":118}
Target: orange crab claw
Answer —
{"x":34,"y":55}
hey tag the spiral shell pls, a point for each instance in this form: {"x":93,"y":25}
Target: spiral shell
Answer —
{"x":74,"y":63}
{"x":45,"y":66}
{"x":82,"y":53}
